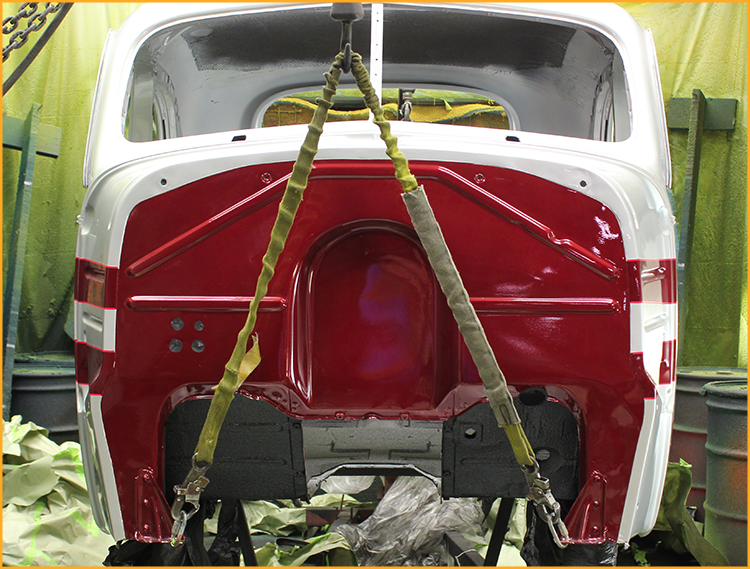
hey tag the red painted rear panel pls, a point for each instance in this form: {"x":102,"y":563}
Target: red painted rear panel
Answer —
{"x":357,"y":325}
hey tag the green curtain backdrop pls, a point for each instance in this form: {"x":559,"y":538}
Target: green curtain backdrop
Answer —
{"x":699,"y":46}
{"x":704,"y":46}
{"x":62,"y":80}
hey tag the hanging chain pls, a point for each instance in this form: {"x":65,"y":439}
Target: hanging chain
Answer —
{"x":36,"y":22}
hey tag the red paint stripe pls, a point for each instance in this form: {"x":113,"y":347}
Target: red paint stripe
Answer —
{"x":95,"y":283}
{"x":667,"y":368}
{"x":642,"y":379}
{"x":93,"y":365}
{"x":82,"y":372}
{"x":204,"y":303}
{"x":546,"y":305}
{"x":97,"y":348}
{"x":653,"y":280}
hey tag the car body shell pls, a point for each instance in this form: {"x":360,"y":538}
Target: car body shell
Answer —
{"x":565,"y":244}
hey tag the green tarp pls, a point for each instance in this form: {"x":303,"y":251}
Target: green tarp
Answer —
{"x":699,"y":45}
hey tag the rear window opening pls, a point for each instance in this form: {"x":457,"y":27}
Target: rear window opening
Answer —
{"x":415,"y":105}
{"x":257,"y":69}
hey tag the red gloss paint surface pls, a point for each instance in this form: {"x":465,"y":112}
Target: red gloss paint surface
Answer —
{"x":356,"y":322}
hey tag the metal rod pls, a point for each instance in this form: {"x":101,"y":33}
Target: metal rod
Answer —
{"x":376,"y":50}
{"x":17,"y":252}
{"x":687,"y":223}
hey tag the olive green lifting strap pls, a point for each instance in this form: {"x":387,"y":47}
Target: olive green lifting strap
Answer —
{"x":242,"y":363}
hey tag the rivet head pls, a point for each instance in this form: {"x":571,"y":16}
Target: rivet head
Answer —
{"x":340,"y":415}
{"x":198,"y":346}
{"x":479,"y":178}
{"x":177,"y":324}
{"x":542,"y":454}
{"x":266,"y":177}
{"x":583,"y":183}
{"x":199,"y":325}
{"x":175,"y":345}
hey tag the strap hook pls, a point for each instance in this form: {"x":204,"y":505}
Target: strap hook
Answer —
{"x":189,"y":492}
{"x":347,"y":13}
{"x":547,"y":508}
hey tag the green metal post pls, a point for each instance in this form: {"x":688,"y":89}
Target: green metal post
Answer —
{"x":17,"y":252}
{"x":696,"y":115}
{"x":695,"y":134}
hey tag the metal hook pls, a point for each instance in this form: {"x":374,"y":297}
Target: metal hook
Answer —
{"x":188,"y":493}
{"x":347,"y":13}
{"x":547,"y":508}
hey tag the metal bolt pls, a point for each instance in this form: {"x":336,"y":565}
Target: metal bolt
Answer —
{"x":542,"y":454}
{"x":175,"y":345}
{"x":177,"y":324}
{"x":266,"y":177}
{"x":163,"y":182}
{"x":199,"y":325}
{"x":198,"y":346}
{"x":583,"y":183}
{"x":479,"y":178}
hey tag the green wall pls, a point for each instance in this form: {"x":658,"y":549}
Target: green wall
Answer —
{"x":699,"y":45}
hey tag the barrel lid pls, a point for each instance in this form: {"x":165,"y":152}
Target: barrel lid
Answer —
{"x":711,"y":373}
{"x":44,"y":363}
{"x":734,"y":388}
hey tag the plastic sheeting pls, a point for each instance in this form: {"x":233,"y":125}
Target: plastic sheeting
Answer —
{"x":47,"y":517}
{"x":700,"y":45}
{"x":333,"y":545}
{"x":408,"y":526}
